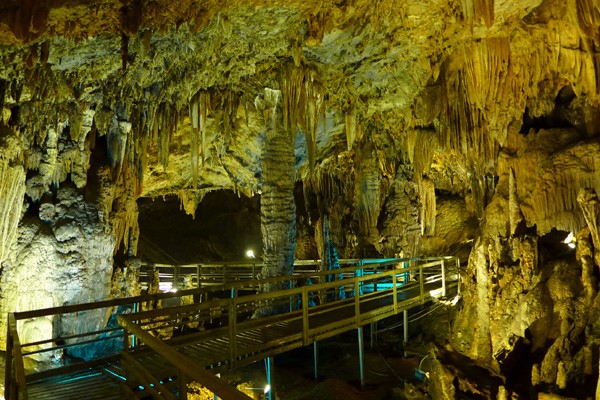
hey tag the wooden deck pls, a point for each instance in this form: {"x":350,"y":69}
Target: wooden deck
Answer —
{"x":227,"y":333}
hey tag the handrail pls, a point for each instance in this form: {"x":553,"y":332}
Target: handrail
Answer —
{"x":394,"y":270}
{"x":15,"y":383}
{"x":429,"y":273}
{"x":205,"y":378}
{"x":161,"y":296}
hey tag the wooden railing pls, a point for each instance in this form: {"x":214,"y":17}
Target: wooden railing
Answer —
{"x":14,"y":379}
{"x":394,"y":290}
{"x":237,"y":306}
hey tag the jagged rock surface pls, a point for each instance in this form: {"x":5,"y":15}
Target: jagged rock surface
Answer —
{"x":414,"y":127}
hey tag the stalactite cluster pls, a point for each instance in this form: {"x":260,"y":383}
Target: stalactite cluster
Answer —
{"x":303,"y":105}
{"x":12,"y":187}
{"x":479,"y":11}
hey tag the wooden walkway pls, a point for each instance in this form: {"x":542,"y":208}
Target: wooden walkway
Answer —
{"x":166,"y":348}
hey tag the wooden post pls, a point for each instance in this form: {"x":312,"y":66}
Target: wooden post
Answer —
{"x":305,"y":326}
{"x":9,"y":364}
{"x":232,"y":328}
{"x":183,"y":392}
{"x":357,"y":301}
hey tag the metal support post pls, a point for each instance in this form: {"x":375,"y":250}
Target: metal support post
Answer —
{"x":215,"y":397}
{"x":316,"y":359}
{"x":373,"y":334}
{"x":269,"y":394}
{"x":361,"y":355}
{"x":182,"y":380}
{"x":405,"y":330}
{"x":421,"y":285}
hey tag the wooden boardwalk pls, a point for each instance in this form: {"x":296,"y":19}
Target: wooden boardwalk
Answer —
{"x":166,"y":348}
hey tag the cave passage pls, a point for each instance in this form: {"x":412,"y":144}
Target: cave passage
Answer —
{"x":224,"y":227}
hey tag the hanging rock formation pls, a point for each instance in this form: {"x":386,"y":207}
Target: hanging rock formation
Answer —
{"x":468,"y":127}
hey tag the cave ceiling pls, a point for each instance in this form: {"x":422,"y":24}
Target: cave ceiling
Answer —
{"x":168,"y":95}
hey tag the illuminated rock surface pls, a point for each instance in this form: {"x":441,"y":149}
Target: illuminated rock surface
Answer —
{"x":415,"y":128}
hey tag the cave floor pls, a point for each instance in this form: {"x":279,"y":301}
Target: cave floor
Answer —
{"x":388,"y":375}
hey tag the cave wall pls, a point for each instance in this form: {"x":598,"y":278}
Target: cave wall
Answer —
{"x":420,"y":128}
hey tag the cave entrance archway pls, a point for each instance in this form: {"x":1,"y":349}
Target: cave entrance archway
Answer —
{"x":224,"y":227}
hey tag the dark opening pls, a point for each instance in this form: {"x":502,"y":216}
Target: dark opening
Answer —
{"x":224,"y":228}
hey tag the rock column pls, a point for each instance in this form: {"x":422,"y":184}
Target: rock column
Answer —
{"x":278,"y":210}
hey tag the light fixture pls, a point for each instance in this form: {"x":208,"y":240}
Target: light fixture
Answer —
{"x":267,"y":389}
{"x":570,"y":240}
{"x":250,"y":253}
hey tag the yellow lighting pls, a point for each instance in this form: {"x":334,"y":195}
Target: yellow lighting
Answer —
{"x":250,"y":254}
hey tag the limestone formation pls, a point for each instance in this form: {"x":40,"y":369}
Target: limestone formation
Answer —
{"x":380,"y":128}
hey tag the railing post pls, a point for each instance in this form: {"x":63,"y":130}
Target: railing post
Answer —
{"x":395,"y":291}
{"x":232,"y":328}
{"x":175,"y":285}
{"x":8,"y":367}
{"x":182,"y":381}
{"x":357,"y":301}
{"x":305,"y":326}
{"x":443,"y":279}
{"x":198,"y":276}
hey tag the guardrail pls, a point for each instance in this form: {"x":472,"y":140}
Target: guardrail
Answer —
{"x":14,"y":378}
{"x":172,"y":276}
{"x":342,"y":303}
{"x":61,"y":343}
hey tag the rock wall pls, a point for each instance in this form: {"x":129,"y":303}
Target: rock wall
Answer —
{"x":530,"y":306}
{"x":63,"y":256}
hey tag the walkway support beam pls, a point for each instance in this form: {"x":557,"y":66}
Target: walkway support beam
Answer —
{"x":316,"y":360}
{"x":361,"y":356}
{"x":270,"y":361}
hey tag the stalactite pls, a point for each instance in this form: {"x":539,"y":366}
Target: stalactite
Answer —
{"x":302,"y":105}
{"x":353,"y":128}
{"x":12,"y":187}
{"x":590,"y":206}
{"x":479,"y":10}
{"x":514,"y":211}
{"x":421,"y":146}
{"x":428,"y":207}
{"x":367,"y":193}
{"x":199,"y":107}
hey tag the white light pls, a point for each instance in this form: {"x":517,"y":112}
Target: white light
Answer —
{"x":267,"y":388}
{"x":250,"y":254}
{"x":569,"y":239}
{"x":173,"y":290}
{"x":571,"y":245}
